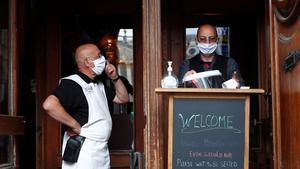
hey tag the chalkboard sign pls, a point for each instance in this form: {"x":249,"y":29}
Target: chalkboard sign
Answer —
{"x":207,"y":133}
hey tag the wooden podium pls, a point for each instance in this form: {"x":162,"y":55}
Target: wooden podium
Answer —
{"x":208,"y":128}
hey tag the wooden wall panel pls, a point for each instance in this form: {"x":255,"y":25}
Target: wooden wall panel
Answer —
{"x":138,"y":80}
{"x":289,"y":97}
{"x":152,"y":73}
{"x":12,"y":125}
{"x":286,"y":87}
{"x":173,"y":34}
{"x":51,"y":128}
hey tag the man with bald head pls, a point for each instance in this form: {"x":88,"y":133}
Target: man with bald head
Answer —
{"x":207,"y":59}
{"x":81,"y":104}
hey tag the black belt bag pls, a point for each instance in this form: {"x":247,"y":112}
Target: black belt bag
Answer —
{"x":72,"y":149}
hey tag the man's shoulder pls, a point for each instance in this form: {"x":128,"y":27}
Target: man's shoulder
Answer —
{"x":64,"y":81}
{"x":66,"y":88}
{"x":70,"y":77}
{"x":68,"y":82}
{"x":231,"y":60}
{"x":221,"y":57}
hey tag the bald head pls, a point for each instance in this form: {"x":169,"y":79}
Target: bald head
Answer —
{"x":206,"y":30}
{"x":85,"y":51}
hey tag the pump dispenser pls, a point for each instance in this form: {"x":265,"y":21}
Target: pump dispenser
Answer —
{"x":170,"y":80}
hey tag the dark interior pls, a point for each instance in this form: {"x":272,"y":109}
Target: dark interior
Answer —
{"x":89,"y":20}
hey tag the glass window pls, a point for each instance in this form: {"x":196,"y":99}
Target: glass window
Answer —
{"x":4,"y":58}
{"x":4,"y":149}
{"x":6,"y":141}
{"x":223,"y":41}
{"x":125,"y":46}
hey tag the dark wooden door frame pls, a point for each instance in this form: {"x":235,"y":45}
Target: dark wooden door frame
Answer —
{"x":152,"y":73}
{"x":47,"y":75}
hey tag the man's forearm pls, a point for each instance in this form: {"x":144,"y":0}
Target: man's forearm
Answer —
{"x":121,"y":92}
{"x":53,"y":107}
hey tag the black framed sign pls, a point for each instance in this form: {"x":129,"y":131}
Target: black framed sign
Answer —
{"x":208,"y":132}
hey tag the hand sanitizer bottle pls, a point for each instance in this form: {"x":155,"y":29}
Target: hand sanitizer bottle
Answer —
{"x":170,"y":80}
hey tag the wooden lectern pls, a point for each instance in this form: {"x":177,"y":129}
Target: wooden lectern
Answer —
{"x":208,"y":128}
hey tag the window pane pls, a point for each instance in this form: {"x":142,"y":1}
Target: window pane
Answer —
{"x":3,"y":72}
{"x":3,"y":57}
{"x":6,"y":146}
{"x":125,"y":46}
{"x":4,"y":149}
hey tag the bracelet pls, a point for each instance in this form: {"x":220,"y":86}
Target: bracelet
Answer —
{"x":116,"y":79}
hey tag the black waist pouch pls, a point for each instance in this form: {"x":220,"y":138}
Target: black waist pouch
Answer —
{"x":72,"y":149}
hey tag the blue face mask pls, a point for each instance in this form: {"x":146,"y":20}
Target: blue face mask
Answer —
{"x":99,"y":65}
{"x":207,"y":48}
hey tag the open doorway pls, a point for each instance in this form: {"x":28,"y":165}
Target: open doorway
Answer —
{"x":116,"y":45}
{"x":251,"y":78}
{"x":241,"y":43}
{"x":244,"y":26}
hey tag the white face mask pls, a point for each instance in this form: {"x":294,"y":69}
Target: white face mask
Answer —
{"x":207,"y":48}
{"x":99,"y":65}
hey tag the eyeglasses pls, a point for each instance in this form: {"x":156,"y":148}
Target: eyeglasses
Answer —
{"x":205,"y":39}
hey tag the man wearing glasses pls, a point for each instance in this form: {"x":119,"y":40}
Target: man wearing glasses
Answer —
{"x":207,"y":59}
{"x":81,"y":104}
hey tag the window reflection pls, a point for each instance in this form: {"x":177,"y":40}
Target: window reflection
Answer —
{"x":3,"y":61}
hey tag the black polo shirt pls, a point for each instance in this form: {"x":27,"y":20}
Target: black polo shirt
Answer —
{"x":72,"y":98}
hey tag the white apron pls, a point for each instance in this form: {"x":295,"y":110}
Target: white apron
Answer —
{"x":94,"y":153}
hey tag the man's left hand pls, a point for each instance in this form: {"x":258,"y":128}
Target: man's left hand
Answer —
{"x":110,"y":70}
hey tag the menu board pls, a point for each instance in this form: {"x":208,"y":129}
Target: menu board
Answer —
{"x":207,"y":133}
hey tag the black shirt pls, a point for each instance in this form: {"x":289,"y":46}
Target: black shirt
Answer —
{"x":226,"y":65}
{"x":72,"y":98}
{"x":108,"y":83}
